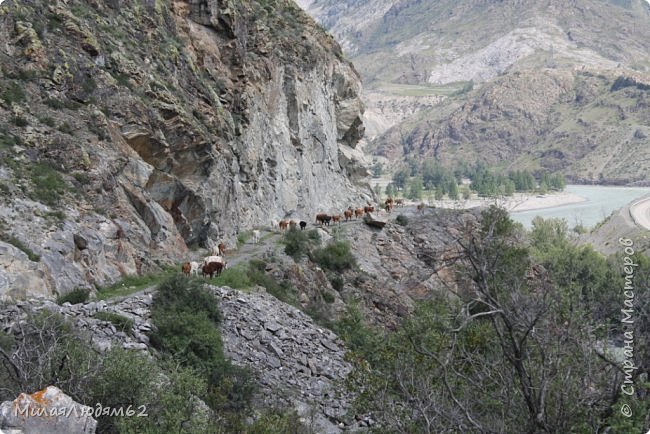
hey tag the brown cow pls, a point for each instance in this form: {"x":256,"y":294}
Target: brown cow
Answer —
{"x":321,"y":218}
{"x":399,"y":202}
{"x":283,"y":224}
{"x":421,"y":207}
{"x":293,"y":224}
{"x":367,"y":209}
{"x":222,"y":249}
{"x":336,"y":218}
{"x":347,"y":214}
{"x":358,"y":212}
{"x":187,"y":267}
{"x":212,"y":268}
{"x":389,"y":206}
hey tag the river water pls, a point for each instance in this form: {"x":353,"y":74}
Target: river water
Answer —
{"x":601,"y":202}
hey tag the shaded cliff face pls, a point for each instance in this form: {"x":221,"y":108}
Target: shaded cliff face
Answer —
{"x":130,"y":130}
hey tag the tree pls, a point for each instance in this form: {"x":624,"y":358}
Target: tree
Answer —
{"x":390,"y":190}
{"x":377,"y":170}
{"x":378,"y":190}
{"x":453,"y":189}
{"x":415,"y":188}
{"x":439,"y":194}
{"x":399,"y":178}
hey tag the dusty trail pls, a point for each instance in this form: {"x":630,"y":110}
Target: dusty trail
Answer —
{"x":640,"y":212}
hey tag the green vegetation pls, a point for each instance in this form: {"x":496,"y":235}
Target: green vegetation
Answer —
{"x":533,"y":315}
{"x":336,"y":256}
{"x":19,"y":245}
{"x":430,"y":175}
{"x":49,"y":185}
{"x":13,"y":94}
{"x":121,"y":323}
{"x":130,"y":284}
{"x":297,"y":243}
{"x":402,"y":220}
{"x":79,"y":295}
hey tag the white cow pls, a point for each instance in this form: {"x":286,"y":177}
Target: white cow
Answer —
{"x":256,"y":236}
{"x":213,"y":258}
{"x":194,"y":268}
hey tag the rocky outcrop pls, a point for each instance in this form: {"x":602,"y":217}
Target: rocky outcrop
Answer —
{"x":46,"y":411}
{"x":223,"y":115}
{"x":297,"y":364}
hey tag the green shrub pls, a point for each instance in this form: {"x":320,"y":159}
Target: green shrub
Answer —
{"x":47,"y":121}
{"x":121,"y":323}
{"x":183,"y":295}
{"x":337,"y":282}
{"x":336,"y":256}
{"x":402,"y":220}
{"x":298,"y":243}
{"x":79,"y":295}
{"x":13,"y":94}
{"x":328,"y":297}
{"x":66,"y":128}
{"x":278,"y":422}
{"x":20,"y":121}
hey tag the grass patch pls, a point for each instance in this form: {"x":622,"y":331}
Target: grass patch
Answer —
{"x":243,"y":237}
{"x":121,"y":323}
{"x":76,"y":296}
{"x":20,"y":246}
{"x":131,"y":284}
{"x":49,"y":186}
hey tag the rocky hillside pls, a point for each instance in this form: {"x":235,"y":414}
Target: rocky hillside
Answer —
{"x":130,"y":131}
{"x":542,"y":84}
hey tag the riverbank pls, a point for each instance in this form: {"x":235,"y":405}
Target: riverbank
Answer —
{"x":515,"y":203}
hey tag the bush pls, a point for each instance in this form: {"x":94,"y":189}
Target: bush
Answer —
{"x":336,"y":256}
{"x":20,"y":121}
{"x":13,"y":94}
{"x":121,"y":323}
{"x":402,"y":220}
{"x":278,"y":422}
{"x":337,"y":282}
{"x":298,"y":243}
{"x":76,"y":296}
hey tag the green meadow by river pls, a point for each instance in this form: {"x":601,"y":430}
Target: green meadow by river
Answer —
{"x":601,"y":202}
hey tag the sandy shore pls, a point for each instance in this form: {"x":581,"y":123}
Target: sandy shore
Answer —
{"x":515,"y":203}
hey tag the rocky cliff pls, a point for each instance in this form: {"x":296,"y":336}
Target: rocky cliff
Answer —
{"x":132,"y":130}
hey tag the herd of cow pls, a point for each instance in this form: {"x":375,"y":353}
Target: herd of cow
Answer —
{"x":215,"y":264}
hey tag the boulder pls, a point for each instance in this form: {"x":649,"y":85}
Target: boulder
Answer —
{"x":46,"y":411}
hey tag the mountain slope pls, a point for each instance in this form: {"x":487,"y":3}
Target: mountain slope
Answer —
{"x":116,"y":155}
{"x":546,"y":77}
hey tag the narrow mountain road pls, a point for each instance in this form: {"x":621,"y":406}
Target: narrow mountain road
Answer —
{"x":640,"y":212}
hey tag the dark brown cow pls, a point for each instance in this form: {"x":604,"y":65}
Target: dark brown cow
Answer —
{"x":321,"y":218}
{"x":222,"y":249}
{"x":399,"y":202}
{"x":421,"y":208}
{"x":348,"y":214}
{"x":187,"y":267}
{"x":212,"y":268}
{"x":336,"y":218}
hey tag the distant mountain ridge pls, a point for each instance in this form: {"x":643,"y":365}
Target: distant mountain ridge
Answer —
{"x":517,"y":83}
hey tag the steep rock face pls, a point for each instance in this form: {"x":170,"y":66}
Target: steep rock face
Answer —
{"x":130,"y":131}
